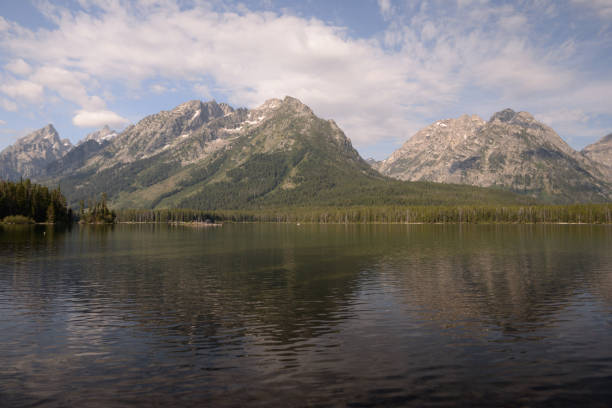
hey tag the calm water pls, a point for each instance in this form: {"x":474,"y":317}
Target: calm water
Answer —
{"x":311,"y":315}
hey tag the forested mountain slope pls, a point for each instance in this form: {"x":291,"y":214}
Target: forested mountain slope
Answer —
{"x":211,"y":156}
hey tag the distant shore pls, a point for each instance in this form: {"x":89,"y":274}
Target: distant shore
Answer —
{"x":202,"y":224}
{"x":185,"y":223}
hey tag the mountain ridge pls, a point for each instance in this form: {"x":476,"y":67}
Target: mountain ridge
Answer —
{"x":601,"y":153}
{"x":512,"y":150}
{"x":99,"y":136}
{"x":29,"y":156}
{"x":210,"y":155}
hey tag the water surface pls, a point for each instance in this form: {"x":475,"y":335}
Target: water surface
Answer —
{"x":310,"y":315}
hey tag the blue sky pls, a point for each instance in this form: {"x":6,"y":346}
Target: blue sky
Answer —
{"x":382,"y":69}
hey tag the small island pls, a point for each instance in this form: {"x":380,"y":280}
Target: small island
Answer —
{"x":96,"y":212}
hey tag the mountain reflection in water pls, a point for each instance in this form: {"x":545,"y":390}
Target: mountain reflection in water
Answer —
{"x":420,"y":315}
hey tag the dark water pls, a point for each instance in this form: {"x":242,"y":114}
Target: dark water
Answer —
{"x":311,"y":315}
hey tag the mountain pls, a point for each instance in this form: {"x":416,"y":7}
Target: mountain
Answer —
{"x":601,"y":153}
{"x":372,"y":162}
{"x":512,"y":150}
{"x":207,"y":155}
{"x":167,"y":129}
{"x":99,"y":136}
{"x":84,"y":150}
{"x":75,"y":158}
{"x":30,"y":155}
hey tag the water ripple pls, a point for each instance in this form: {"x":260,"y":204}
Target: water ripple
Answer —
{"x":267,"y":315}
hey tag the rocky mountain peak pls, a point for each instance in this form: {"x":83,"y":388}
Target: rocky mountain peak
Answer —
{"x":267,"y":108}
{"x":283,"y":121}
{"x":226,"y":109}
{"x":601,"y":153}
{"x":189,"y":106}
{"x":271,"y":103}
{"x":164,"y":130}
{"x":373,"y":162}
{"x":99,"y":136}
{"x":512,"y":149}
{"x":465,"y":118}
{"x":176,"y":157}
{"x":288,"y":105}
{"x":47,"y":132}
{"x":198,"y":112}
{"x":44,"y":138}
{"x":435,"y":140}
{"x":510,"y":117}
{"x":450,"y":127}
{"x":505,"y":115}
{"x":30,"y":154}
{"x":296,"y":105}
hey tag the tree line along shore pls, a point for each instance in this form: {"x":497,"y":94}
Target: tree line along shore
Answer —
{"x":578,"y":213}
{"x":26,"y":202}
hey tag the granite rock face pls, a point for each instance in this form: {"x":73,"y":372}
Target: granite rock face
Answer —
{"x":99,"y":136}
{"x":30,"y":155}
{"x":373,"y":162}
{"x":512,"y":150}
{"x":601,"y":153}
{"x":210,"y":155}
{"x":158,"y":132}
{"x":205,"y":154}
{"x":74,"y":159}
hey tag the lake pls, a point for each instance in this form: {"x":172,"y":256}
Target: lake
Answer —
{"x":306,"y":315}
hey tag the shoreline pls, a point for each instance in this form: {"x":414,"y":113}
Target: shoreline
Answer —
{"x":360,"y":223}
{"x":220,"y":224}
{"x":187,"y":223}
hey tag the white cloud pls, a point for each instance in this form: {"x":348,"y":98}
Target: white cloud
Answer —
{"x":602,"y":7}
{"x":4,"y":25}
{"x":203,"y":91}
{"x":2,"y":122}
{"x":513,"y":22}
{"x":555,"y":118}
{"x":251,"y":58}
{"x":19,"y":67}
{"x":68,"y":84}
{"x":466,"y":3}
{"x":375,"y":90}
{"x":28,"y":90}
{"x":385,"y":7}
{"x":158,"y":88}
{"x":98,"y":119}
{"x":8,"y":105}
{"x":576,"y":123}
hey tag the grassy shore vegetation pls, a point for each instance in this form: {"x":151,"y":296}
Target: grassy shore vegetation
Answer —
{"x":23,"y":200}
{"x":579,"y":213}
{"x":17,"y":219}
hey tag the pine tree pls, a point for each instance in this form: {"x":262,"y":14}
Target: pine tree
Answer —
{"x":51,"y":213}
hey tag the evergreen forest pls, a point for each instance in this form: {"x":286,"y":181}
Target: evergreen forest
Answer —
{"x":531,"y":214}
{"x":32,"y":202}
{"x":97,"y":212}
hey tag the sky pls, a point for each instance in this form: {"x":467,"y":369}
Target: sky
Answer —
{"x":382,"y":69}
